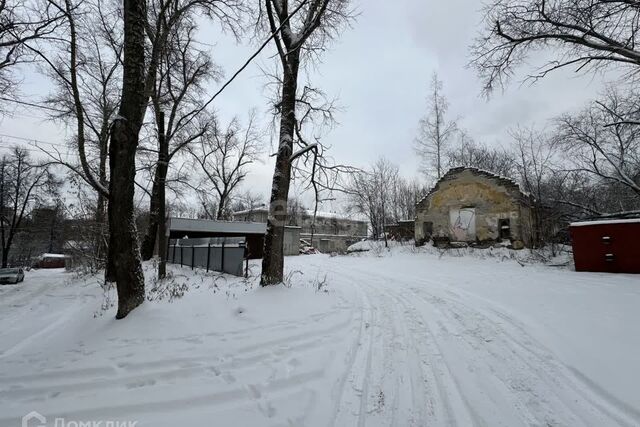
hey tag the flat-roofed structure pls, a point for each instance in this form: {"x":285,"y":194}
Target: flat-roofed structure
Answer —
{"x":253,"y":232}
{"x":607,"y":244}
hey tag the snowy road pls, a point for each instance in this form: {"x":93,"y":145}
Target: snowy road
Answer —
{"x":403,"y":340}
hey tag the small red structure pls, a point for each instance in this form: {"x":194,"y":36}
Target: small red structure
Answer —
{"x":607,"y":245}
{"x":51,"y":261}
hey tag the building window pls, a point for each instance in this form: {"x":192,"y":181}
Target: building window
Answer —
{"x":504,"y":228}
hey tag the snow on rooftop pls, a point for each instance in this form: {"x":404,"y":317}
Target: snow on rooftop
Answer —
{"x":605,"y":222}
{"x":212,"y":226}
{"x":53,"y":255}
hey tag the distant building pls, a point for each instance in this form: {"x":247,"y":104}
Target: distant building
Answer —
{"x":402,"y":230}
{"x":475,"y":206}
{"x":330,"y":232}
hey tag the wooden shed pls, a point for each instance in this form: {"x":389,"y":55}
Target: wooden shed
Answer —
{"x":607,"y":245}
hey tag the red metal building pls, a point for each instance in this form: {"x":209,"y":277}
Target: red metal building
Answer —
{"x":607,"y":245}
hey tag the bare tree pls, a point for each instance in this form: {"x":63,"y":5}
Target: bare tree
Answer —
{"x":89,"y":87}
{"x":584,"y":34}
{"x":535,"y":165}
{"x":183,"y":70}
{"x":535,"y":161}
{"x":88,"y":238}
{"x":23,"y":184}
{"x":168,"y":21}
{"x":247,"y":201}
{"x":83,"y":61}
{"x":372,"y":194}
{"x":300,"y":27}
{"x":21,"y":22}
{"x":139,"y":76}
{"x":472,"y":154}
{"x":296,"y":212}
{"x":125,"y":129}
{"x":603,"y":140}
{"x":223,"y":156}
{"x":405,"y":194}
{"x":436,"y":131}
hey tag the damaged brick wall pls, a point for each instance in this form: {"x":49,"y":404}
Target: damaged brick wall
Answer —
{"x":474,"y":206}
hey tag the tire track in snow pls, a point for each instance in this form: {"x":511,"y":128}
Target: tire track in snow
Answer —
{"x":411,"y":366}
{"x":306,"y":338}
{"x":113,"y":378}
{"x":532,"y":390}
{"x":264,"y":358}
{"x":543,"y":389}
{"x":449,"y":407}
{"x":351,"y":396}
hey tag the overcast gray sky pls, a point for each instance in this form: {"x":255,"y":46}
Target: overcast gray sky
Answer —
{"x":379,"y":70}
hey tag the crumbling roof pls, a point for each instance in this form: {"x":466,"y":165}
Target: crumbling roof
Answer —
{"x":502,"y":180}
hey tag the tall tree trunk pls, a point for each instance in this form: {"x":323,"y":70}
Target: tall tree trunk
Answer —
{"x":149,"y":240}
{"x":101,"y":209}
{"x":123,"y":237}
{"x":273,"y":260}
{"x":221,"y":204}
{"x":5,"y":257}
{"x":163,"y":164}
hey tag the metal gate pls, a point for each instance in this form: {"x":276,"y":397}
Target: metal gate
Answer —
{"x":224,"y":254}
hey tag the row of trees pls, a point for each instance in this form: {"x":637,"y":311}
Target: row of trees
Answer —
{"x":24,"y":186}
{"x":383,"y":196}
{"x":588,"y":160}
{"x":598,"y":145}
{"x":129,"y":80}
{"x":110,"y":62}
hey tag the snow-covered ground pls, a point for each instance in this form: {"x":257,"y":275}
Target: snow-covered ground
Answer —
{"x":382,"y":338}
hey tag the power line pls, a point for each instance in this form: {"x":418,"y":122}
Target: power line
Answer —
{"x":36,"y":150}
{"x":21,"y":138}
{"x":44,"y":107}
{"x":30,"y":104}
{"x":14,"y":115}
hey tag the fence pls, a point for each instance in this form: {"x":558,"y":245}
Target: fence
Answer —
{"x":224,"y":254}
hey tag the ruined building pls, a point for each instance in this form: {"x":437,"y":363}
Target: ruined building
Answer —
{"x":476,"y":207}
